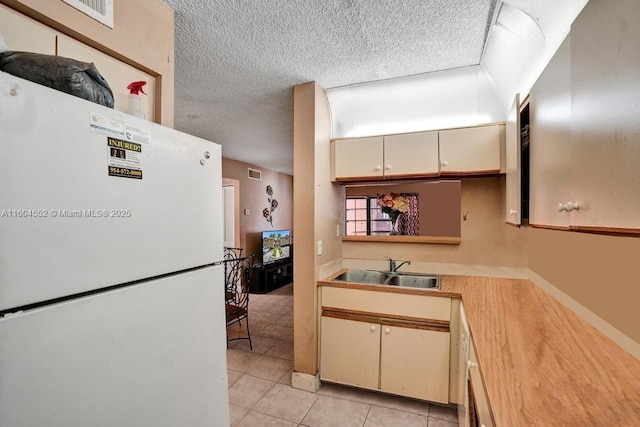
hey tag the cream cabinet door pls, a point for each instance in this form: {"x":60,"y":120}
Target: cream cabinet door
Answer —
{"x":411,"y":154}
{"x":24,"y":34}
{"x":550,"y":114}
{"x":605,"y":112}
{"x":358,"y":157}
{"x":415,"y":363}
{"x":117,"y":73}
{"x":474,"y":150}
{"x":483,"y":408}
{"x":350,"y":352}
{"x":463,"y":359}
{"x":513,"y":197}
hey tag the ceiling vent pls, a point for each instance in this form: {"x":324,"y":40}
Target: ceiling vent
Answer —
{"x":100,"y":10}
{"x":255,"y":174}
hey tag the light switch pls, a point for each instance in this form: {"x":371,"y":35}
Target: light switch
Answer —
{"x":319,"y":247}
{"x":337,"y":230}
{"x":247,"y":212}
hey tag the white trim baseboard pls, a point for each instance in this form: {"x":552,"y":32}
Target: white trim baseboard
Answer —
{"x":305,"y":382}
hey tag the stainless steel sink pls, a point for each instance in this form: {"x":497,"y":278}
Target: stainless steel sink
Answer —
{"x":411,"y":281}
{"x":363,"y":276}
{"x":405,"y":280}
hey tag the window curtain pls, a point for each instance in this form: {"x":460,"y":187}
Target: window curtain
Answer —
{"x":409,"y":222}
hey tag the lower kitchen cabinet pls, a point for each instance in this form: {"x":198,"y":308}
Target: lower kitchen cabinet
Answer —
{"x":473,"y":409}
{"x":414,"y":362}
{"x":481,"y":411}
{"x":377,"y":353}
{"x":350,"y":352}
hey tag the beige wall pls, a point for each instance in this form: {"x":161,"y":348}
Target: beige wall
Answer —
{"x":253,"y":196}
{"x":600,"y":272}
{"x":318,"y":208}
{"x":329,"y":197}
{"x":486,"y":239}
{"x":142,"y":37}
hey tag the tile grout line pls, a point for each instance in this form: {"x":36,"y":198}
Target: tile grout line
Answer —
{"x":354,"y":399}
{"x":367,"y":416}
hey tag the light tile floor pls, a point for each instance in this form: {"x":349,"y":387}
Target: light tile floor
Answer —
{"x":260,"y":392}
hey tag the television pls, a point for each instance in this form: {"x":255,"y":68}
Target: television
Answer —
{"x":276,"y":246}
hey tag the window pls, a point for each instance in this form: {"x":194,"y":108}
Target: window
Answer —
{"x":364,"y":217}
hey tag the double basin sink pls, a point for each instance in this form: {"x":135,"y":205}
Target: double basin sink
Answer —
{"x":401,"y":279}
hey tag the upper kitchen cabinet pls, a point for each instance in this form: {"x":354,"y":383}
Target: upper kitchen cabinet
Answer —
{"x":56,"y":28}
{"x":117,"y":73}
{"x":455,"y":152}
{"x":585,"y":133}
{"x":605,"y":107}
{"x":512,"y":165}
{"x":550,"y":113}
{"x":411,"y":155}
{"x":471,"y":151}
{"x":356,"y":158}
{"x":393,"y":156}
{"x":24,"y":34}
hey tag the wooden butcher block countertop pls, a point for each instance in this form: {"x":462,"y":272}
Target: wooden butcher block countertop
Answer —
{"x":543,"y":365}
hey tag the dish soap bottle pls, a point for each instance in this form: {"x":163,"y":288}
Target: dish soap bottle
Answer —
{"x":134,"y":98}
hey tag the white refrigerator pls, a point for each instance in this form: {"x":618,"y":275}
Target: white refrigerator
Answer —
{"x":111,"y":298}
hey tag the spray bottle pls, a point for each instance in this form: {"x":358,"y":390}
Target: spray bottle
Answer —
{"x":134,"y":98}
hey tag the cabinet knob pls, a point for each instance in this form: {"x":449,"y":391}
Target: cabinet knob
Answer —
{"x":387,"y":330}
{"x":378,"y":167}
{"x":387,"y":167}
{"x":372,"y":328}
{"x":512,"y":212}
{"x":471,"y":365}
{"x":444,"y":163}
{"x":569,"y":206}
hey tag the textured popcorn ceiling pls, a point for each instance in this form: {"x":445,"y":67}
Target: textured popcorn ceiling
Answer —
{"x":236,"y":61}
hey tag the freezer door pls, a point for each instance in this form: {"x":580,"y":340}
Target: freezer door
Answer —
{"x":69,"y":223}
{"x":152,"y":354}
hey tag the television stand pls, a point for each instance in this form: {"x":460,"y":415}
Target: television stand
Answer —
{"x":269,"y":277}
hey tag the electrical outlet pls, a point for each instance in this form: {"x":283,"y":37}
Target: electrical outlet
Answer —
{"x":319,"y":247}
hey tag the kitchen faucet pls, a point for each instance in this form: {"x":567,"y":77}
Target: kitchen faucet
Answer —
{"x":392,"y":264}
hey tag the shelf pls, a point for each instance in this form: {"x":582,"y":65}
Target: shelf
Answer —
{"x":267,"y":278}
{"x":404,"y":239}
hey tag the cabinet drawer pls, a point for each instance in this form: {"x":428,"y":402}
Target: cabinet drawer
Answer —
{"x":384,"y":303}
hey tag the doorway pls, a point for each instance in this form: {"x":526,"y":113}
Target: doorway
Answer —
{"x":231,"y":212}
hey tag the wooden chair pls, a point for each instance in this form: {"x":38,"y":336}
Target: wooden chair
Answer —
{"x":237,"y":283}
